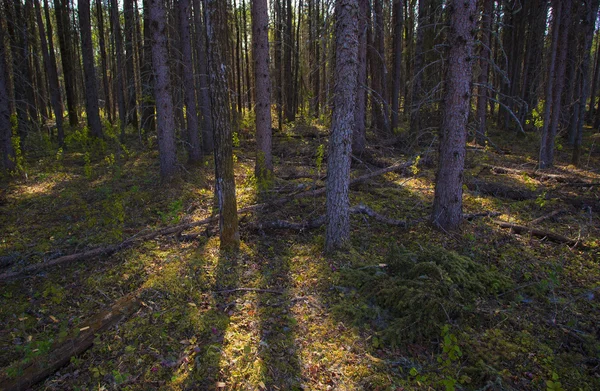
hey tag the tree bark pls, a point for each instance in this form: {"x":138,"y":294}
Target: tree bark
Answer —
{"x":589,"y":19}
{"x":51,"y":71}
{"x":288,"y":80}
{"x":417,"y":83}
{"x":260,"y":53}
{"x":147,"y":76}
{"x":120,"y":79}
{"x":217,"y":35}
{"x":102,"y":45}
{"x":132,"y":118}
{"x":484,"y":54}
{"x":559,"y":83}
{"x":359,"y":140}
{"x":556,"y":18}
{"x":8,"y":153}
{"x":203,"y":93}
{"x":340,"y":141}
{"x":91,"y":93}
{"x":191,"y":113}
{"x":162,"y":91}
{"x":67,"y":58}
{"x":398,"y":29}
{"x":447,"y":204}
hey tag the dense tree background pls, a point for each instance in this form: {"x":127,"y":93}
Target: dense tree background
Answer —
{"x":250,"y":105}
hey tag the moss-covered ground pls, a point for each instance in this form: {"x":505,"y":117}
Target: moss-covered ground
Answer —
{"x":401,"y":309}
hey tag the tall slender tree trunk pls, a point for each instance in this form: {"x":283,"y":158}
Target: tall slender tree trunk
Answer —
{"x":559,"y":83}
{"x":288,"y":80}
{"x":165,"y":119}
{"x":417,"y":82}
{"x":556,"y":18}
{"x":484,"y":55}
{"x":131,"y":105}
{"x":589,"y":19}
{"x":104,"y":63}
{"x":51,"y":71}
{"x":359,"y":140}
{"x":247,"y":58}
{"x":91,"y":93}
{"x":191,"y":113}
{"x":120,"y":81}
{"x":447,"y":203}
{"x":592,"y":108}
{"x":398,"y":30}
{"x":8,"y":153}
{"x":203,"y":93}
{"x":278,"y":37}
{"x":147,"y":76}
{"x":19,"y":66}
{"x":260,"y":53}
{"x":67,"y":58}
{"x":342,"y":121}
{"x":217,"y":35}
{"x":379,"y":103}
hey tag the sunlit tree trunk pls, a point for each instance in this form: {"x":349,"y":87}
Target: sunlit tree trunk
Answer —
{"x":217,"y":35}
{"x":120,"y":77}
{"x":262,"y":80}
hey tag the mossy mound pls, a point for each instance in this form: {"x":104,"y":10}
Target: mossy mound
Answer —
{"x":420,"y":292}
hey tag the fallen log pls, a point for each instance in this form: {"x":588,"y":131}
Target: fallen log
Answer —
{"x":547,"y":216}
{"x":31,"y":372}
{"x":176,"y":229}
{"x":500,"y":190}
{"x":359,"y":209}
{"x":520,"y":229}
{"x":532,"y":173}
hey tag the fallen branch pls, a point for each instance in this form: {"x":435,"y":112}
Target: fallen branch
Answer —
{"x":520,"y":229}
{"x":176,"y":229}
{"x":249,"y":290}
{"x":532,"y":173}
{"x":34,"y":371}
{"x":547,"y":216}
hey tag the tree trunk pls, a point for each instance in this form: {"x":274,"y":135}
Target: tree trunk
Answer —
{"x":120,"y":82}
{"x":191,"y":113}
{"x":147,"y":76}
{"x":91,"y":94}
{"x":360,"y":114}
{"x":102,"y":45}
{"x":165,"y":119}
{"x":398,"y":29}
{"x":50,"y":63}
{"x":417,"y":84}
{"x":379,"y":105}
{"x":556,"y":18}
{"x":484,"y":54}
{"x":559,"y":83}
{"x":203,"y":93}
{"x":132,"y":118}
{"x":67,"y":58}
{"x":260,"y":53}
{"x":340,"y":141}
{"x":217,"y":35}
{"x":8,"y":153}
{"x":447,"y":204}
{"x":247,"y":59}
{"x":288,"y":80}
{"x":589,"y":19}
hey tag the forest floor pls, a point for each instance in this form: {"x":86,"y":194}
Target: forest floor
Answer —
{"x":404,"y":308}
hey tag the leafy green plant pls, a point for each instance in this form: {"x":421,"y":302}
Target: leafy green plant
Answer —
{"x":173,"y":212}
{"x":554,"y":384}
{"x":319,"y":158}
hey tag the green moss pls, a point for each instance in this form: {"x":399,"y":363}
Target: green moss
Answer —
{"x":420,"y":292}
